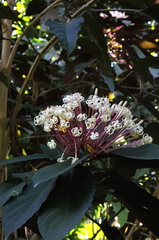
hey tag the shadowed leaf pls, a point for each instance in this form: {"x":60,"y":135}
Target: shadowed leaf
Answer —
{"x":67,"y":32}
{"x":18,"y":210}
{"x":72,"y":197}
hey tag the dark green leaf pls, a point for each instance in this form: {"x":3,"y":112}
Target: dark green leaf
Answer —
{"x":69,"y":202}
{"x":154,"y":72}
{"x":117,"y":69}
{"x":149,"y":105}
{"x":18,"y":210}
{"x":122,"y":213}
{"x":52,"y":171}
{"x":4,"y":79}
{"x":7,"y":13}
{"x":67,"y":32}
{"x":137,"y":200}
{"x":10,"y":188}
{"x":141,"y":65}
{"x":35,"y":7}
{"x":152,"y":11}
{"x":95,"y":50}
{"x":26,"y":176}
{"x":97,"y":31}
{"x":153,"y":129}
{"x":109,"y":81}
{"x":111,"y":232}
{"x":146,"y":152}
{"x":140,"y":172}
{"x":139,"y":52}
{"x":51,"y":153}
{"x":137,"y":3}
{"x":24,"y":158}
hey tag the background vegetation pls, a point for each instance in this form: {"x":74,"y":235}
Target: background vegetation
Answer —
{"x":53,"y":48}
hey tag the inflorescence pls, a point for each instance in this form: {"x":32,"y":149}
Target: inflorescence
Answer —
{"x":101,"y":128}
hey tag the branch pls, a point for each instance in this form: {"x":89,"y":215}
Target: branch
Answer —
{"x":12,"y":55}
{"x":39,"y":57}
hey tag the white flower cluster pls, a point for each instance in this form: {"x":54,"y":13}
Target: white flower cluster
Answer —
{"x":103,"y":128}
{"x":118,"y":14}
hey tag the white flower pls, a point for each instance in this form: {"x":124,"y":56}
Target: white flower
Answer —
{"x":64,"y":123}
{"x":51,"y":144}
{"x":147,"y":139}
{"x":77,"y":132}
{"x":118,"y":14}
{"x":74,"y":159}
{"x":103,"y":128}
{"x":109,"y":130}
{"x":71,"y":105}
{"x":94,"y":135}
{"x":105,"y":117}
{"x":59,"y":111}
{"x":91,"y":122}
{"x":70,"y":115}
{"x":81,"y":117}
{"x":60,"y":160}
{"x":47,"y":128}
{"x":76,"y":97}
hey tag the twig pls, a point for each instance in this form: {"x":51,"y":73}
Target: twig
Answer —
{"x":12,"y":55}
{"x":39,"y":57}
{"x":132,"y":230}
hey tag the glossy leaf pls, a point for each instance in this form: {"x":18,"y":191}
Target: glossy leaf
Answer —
{"x":10,"y":188}
{"x":146,"y":152}
{"x":26,"y":176}
{"x":52,"y":171}
{"x":24,"y":158}
{"x":69,"y":202}
{"x":51,"y":153}
{"x":67,"y":32}
{"x":18,"y":210}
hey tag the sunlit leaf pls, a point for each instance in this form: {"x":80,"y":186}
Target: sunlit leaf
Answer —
{"x":121,"y":212}
{"x":69,"y":202}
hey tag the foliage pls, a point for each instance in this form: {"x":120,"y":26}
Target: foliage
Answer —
{"x":62,"y":47}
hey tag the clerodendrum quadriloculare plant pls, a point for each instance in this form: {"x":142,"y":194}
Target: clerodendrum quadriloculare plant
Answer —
{"x":98,"y":127}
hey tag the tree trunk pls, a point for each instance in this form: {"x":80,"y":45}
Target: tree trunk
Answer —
{"x":5,"y":53}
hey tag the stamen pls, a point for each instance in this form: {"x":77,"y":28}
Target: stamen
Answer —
{"x":102,"y":127}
